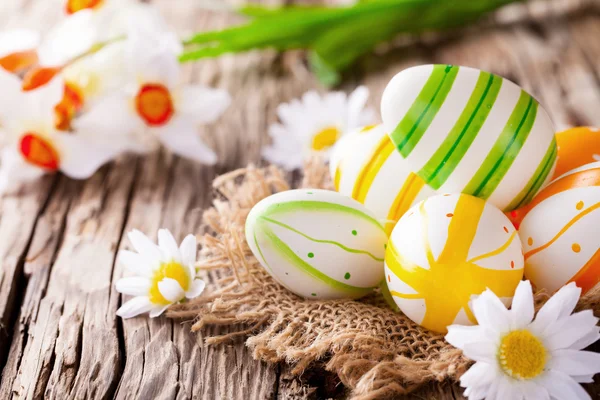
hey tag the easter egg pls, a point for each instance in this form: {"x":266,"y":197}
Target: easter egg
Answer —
{"x":561,"y":232}
{"x":463,"y":130}
{"x":366,"y":167}
{"x":319,"y":244}
{"x":577,"y":147}
{"x":447,"y":249}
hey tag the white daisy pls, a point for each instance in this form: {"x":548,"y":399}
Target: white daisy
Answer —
{"x":164,"y":274}
{"x":518,"y":357}
{"x":155,"y":107}
{"x":314,"y":124}
{"x":18,"y":49}
{"x":33,"y":144}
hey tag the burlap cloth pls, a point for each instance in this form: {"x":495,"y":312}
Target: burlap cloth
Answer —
{"x":375,"y":351}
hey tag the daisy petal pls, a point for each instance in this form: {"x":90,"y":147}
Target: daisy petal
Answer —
{"x":188,"y":250}
{"x":490,"y":312}
{"x":135,"y":263}
{"x":563,"y":387}
{"x":480,"y":373}
{"x":522,"y":305}
{"x":507,"y":390}
{"x":201,"y":104}
{"x":583,"y":378}
{"x":171,"y":290}
{"x":133,"y":286}
{"x":136,"y":306}
{"x":168,"y":245}
{"x":460,"y":335}
{"x":157,"y":311}
{"x":196,"y":289}
{"x":144,"y":246}
{"x":569,"y":330}
{"x":481,"y":351}
{"x":530,"y":390}
{"x":590,"y":338}
{"x":560,"y":305}
{"x":82,"y":157}
{"x":575,"y":362}
{"x":180,"y":136}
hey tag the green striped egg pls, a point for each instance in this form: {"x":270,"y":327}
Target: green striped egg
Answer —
{"x":463,"y":130}
{"x":317,"y":243}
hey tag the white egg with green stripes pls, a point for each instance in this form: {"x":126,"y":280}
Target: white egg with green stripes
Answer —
{"x":463,"y":130}
{"x":317,"y":243}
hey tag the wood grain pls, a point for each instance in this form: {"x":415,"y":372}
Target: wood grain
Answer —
{"x":59,"y":336}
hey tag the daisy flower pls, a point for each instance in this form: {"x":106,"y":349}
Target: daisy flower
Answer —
{"x":33,"y":145}
{"x":155,"y":107}
{"x":18,"y":49}
{"x":518,"y":357}
{"x":164,"y":274}
{"x":314,"y":124}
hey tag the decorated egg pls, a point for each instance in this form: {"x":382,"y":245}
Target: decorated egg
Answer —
{"x":366,"y":167}
{"x":577,"y":147}
{"x":445,"y":250}
{"x":561,"y":232}
{"x":468,"y":131}
{"x":319,"y":244}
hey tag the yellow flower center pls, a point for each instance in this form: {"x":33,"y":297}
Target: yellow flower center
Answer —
{"x":325,"y":138}
{"x":39,"y":151}
{"x":173,"y":270}
{"x":522,"y":355}
{"x":73,"y":6}
{"x":154,"y":104}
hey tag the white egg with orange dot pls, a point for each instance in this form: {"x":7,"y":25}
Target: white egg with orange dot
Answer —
{"x":366,"y":166}
{"x":444,"y":251}
{"x":561,"y":232}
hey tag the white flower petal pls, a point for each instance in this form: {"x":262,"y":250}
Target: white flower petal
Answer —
{"x":168,"y":245}
{"x":14,"y":170}
{"x":171,"y":290}
{"x":136,"y":306}
{"x":188,"y":250}
{"x":18,"y":40}
{"x":135,"y":263}
{"x":11,"y":101}
{"x":157,"y":311}
{"x":568,"y":330}
{"x":477,"y":392}
{"x":480,"y":373}
{"x":40,"y":102}
{"x":507,"y":389}
{"x":590,"y":338}
{"x":460,"y":335}
{"x":181,"y":137}
{"x":491,"y":313}
{"x":559,"y":305}
{"x":133,"y":286}
{"x":563,"y":387}
{"x":531,"y":390}
{"x":81,"y":157}
{"x":522,"y":306}
{"x":71,"y":37}
{"x":145,"y":247}
{"x":575,"y":362}
{"x":196,"y":288}
{"x":358,"y":115}
{"x":583,"y":378}
{"x":201,"y":104}
{"x":481,"y":351}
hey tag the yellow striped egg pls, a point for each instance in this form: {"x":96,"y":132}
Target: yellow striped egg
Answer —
{"x":561,"y":231}
{"x":365,"y":166}
{"x":463,"y":130}
{"x":446,"y":249}
{"x":318,"y":243}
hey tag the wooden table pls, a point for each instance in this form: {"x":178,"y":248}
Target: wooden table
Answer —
{"x":59,"y":336}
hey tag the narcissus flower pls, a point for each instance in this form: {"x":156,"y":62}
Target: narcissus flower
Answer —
{"x":314,"y":124}
{"x":519,"y":357}
{"x":163,"y":274}
{"x":18,"y":49}
{"x":155,"y":107}
{"x":33,"y":145}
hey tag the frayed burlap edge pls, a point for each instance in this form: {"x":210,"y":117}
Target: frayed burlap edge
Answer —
{"x":375,"y":351}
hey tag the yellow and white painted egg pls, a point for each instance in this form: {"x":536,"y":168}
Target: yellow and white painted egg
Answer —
{"x":444,"y":251}
{"x":463,"y":130}
{"x":319,"y":244}
{"x":561,"y":231}
{"x":366,"y":167}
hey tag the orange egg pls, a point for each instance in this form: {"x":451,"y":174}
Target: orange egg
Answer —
{"x":577,"y":147}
